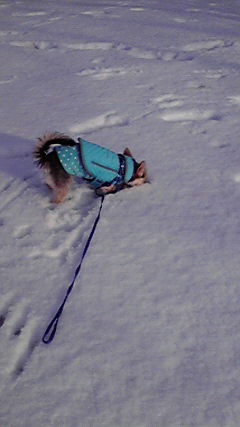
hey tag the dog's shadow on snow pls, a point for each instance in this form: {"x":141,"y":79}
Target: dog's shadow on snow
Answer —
{"x":16,"y":157}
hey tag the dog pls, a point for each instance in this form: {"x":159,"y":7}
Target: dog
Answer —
{"x":61,"y":158}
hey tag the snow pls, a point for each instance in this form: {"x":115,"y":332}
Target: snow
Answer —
{"x":150,"y":335}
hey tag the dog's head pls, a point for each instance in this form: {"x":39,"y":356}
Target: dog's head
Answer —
{"x":140,"y":171}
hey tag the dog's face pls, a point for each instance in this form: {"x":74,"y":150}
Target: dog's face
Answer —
{"x":139,"y":177}
{"x":140,"y":174}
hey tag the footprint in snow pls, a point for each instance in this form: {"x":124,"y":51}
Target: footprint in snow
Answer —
{"x":102,"y":121}
{"x":22,"y":231}
{"x":234,"y":99}
{"x":206,"y":45}
{"x":168,"y":101}
{"x":193,"y":114}
{"x":89,"y":46}
{"x":137,"y":9}
{"x":206,"y":74}
{"x":19,"y":331}
{"x":29,"y":14}
{"x":215,"y":74}
{"x":8,"y":33}
{"x":67,"y":224}
{"x":133,"y":51}
{"x":195,"y":84}
{"x":8,"y":79}
{"x":95,"y":13}
{"x":140,"y":53}
{"x":39,"y":45}
{"x":42,"y":45}
{"x":106,"y":73}
{"x":236,"y":178}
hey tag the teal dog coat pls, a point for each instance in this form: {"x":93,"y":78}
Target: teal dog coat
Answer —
{"x":96,"y":164}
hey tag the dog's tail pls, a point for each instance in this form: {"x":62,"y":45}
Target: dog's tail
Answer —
{"x":43,"y":146}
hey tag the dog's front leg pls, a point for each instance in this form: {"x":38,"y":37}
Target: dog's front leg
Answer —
{"x":105,"y":189}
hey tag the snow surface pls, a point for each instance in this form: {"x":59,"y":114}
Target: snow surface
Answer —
{"x":150,"y":336}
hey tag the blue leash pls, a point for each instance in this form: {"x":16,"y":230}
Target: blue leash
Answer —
{"x":52,"y":327}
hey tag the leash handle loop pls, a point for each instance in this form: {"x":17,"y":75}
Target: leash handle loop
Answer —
{"x":52,"y":327}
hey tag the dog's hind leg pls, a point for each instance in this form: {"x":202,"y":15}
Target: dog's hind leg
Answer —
{"x":59,"y":193}
{"x":59,"y":182}
{"x":60,"y":190}
{"x":49,"y":181}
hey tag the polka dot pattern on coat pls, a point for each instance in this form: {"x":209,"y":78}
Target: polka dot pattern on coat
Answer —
{"x":69,"y":158}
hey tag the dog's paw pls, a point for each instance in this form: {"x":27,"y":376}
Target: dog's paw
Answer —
{"x":105,"y":189}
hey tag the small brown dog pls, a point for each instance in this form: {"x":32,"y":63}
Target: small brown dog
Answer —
{"x":62,"y":158}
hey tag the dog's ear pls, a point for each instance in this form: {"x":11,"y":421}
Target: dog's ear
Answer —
{"x":141,"y":170}
{"x":140,"y":175}
{"x":127,"y":152}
